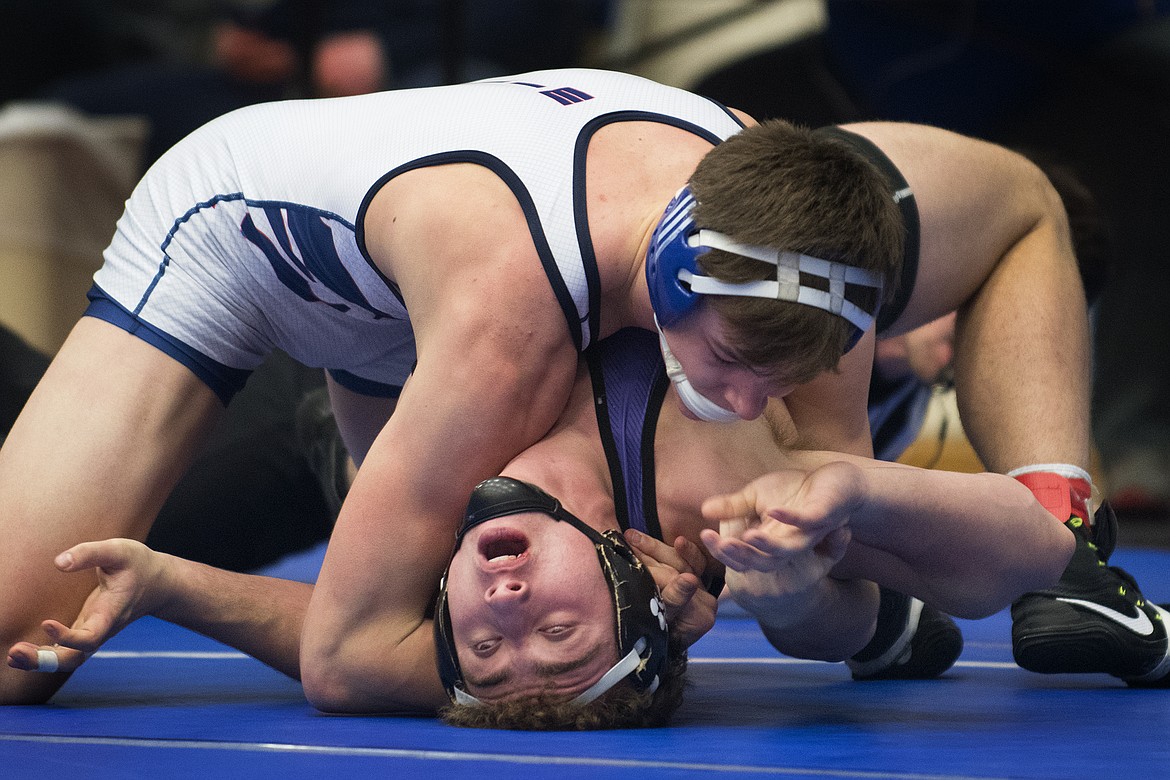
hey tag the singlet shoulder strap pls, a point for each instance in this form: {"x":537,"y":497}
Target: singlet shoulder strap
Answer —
{"x":629,"y":387}
{"x":904,"y":197}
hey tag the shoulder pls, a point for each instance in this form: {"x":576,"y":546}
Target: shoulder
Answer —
{"x":455,"y":219}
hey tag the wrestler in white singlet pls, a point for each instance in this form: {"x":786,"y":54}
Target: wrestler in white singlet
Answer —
{"x":248,"y":235}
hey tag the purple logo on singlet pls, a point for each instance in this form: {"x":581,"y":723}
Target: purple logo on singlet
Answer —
{"x":567,"y":95}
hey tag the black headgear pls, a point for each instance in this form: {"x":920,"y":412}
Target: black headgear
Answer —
{"x":640,"y":619}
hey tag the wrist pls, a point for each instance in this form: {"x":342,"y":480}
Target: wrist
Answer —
{"x":163,"y":592}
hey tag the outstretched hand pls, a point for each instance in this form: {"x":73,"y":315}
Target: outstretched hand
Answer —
{"x":690,"y":609}
{"x":782,"y":535}
{"x":129,"y":577}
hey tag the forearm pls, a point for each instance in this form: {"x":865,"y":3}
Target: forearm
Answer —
{"x":366,"y":673}
{"x":967,"y":543}
{"x":261,"y":616}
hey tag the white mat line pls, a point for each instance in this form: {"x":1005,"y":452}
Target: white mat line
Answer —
{"x":451,"y":755}
{"x":233,"y":655}
{"x":187,"y":655}
{"x":793,"y":661}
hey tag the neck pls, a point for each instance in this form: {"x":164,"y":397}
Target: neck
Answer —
{"x":627,"y":302}
{"x":569,"y":462}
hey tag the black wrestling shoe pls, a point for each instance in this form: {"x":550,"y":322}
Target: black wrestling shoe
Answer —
{"x":320,"y":443}
{"x":1095,"y":619}
{"x":912,"y":642}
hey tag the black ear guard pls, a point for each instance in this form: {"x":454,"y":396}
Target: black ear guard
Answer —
{"x":641,"y":630}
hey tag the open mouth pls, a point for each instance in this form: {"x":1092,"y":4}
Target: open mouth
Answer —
{"x":503,"y":545}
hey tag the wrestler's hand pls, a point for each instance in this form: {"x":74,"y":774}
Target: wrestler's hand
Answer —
{"x":690,"y":609}
{"x":767,"y":575}
{"x":810,"y":504}
{"x":130,"y":585}
{"x":781,"y":536}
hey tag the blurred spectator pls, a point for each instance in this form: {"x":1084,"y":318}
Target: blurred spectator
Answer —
{"x":181,"y":63}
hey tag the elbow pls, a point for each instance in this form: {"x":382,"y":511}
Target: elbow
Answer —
{"x":1036,"y":557}
{"x":993,"y":596}
{"x":327,"y":692}
{"x":341,"y":682}
{"x":328,"y":684}
{"x":1041,"y":564}
{"x":1050,"y":562}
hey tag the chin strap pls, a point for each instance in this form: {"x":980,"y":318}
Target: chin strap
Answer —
{"x":617,"y":672}
{"x":702,"y":406}
{"x":1065,"y":490}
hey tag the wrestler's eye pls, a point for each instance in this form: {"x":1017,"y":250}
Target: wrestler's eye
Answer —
{"x":557,"y":631}
{"x":723,"y":359}
{"x":485,"y":647}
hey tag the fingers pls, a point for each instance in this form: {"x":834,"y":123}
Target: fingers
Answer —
{"x":835,"y":544}
{"x":72,"y":645}
{"x":766,"y":495}
{"x":678,"y":593}
{"x":106,"y":554}
{"x":24,"y":656}
{"x":733,"y":553}
{"x":731,"y":505}
{"x":765,"y":547}
{"x":684,"y":556}
{"x":87,"y":636}
{"x":689,"y":608}
{"x":28,"y":657}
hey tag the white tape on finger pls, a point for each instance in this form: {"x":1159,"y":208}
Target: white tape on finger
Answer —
{"x":47,"y":660}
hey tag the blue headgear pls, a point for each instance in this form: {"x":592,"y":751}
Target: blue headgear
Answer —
{"x":642,"y":634}
{"x":675,"y":282}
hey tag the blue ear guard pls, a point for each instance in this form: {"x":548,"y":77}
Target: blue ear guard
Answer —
{"x":642,"y":634}
{"x":675,"y":282}
{"x":670,"y":252}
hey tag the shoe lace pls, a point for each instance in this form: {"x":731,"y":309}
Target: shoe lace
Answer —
{"x":1079,"y":527}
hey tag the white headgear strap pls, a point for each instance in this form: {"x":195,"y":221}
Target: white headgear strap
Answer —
{"x":616,"y":673}
{"x":787,"y":287}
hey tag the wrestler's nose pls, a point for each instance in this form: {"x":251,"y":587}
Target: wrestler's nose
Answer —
{"x":747,"y":399}
{"x":505,"y":591}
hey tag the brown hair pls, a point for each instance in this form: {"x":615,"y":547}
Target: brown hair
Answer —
{"x":782,"y":186}
{"x":620,"y":707}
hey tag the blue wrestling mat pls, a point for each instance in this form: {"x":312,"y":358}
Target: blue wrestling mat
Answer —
{"x":159,"y":701}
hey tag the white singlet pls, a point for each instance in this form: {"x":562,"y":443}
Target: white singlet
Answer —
{"x":247,"y":235}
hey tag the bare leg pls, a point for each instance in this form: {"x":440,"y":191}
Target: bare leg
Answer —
{"x":99,"y":445}
{"x":1022,"y":364}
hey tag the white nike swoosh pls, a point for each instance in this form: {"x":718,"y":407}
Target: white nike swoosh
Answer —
{"x":1141,"y":625}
